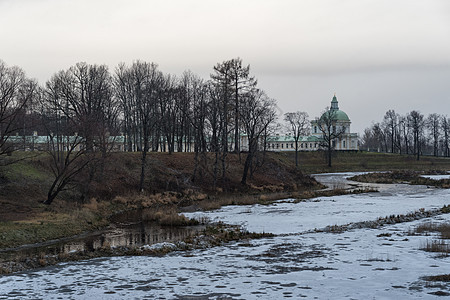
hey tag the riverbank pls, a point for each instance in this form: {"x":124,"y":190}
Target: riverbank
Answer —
{"x":338,"y":242}
{"x":24,"y":219}
{"x":410,"y":177}
{"x":51,"y":253}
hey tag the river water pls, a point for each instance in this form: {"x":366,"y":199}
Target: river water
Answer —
{"x":384,"y":263}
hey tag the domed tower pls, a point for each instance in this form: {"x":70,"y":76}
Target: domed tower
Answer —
{"x":341,"y":122}
{"x":334,"y":103}
{"x":339,"y":114}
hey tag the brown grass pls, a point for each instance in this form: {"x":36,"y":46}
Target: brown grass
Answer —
{"x":403,"y":176}
{"x":442,"y":229}
{"x":167,"y":217}
{"x":438,"y":246}
{"x":444,"y":278}
{"x":216,"y":202}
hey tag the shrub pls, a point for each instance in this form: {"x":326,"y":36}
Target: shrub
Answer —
{"x":444,"y":277}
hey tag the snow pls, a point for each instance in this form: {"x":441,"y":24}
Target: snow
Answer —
{"x":384,"y":263}
{"x":288,"y":217}
{"x":437,"y":177}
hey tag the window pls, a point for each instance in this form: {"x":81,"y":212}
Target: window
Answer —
{"x":343,"y":144}
{"x":315,"y":129}
{"x":301,"y":145}
{"x":292,"y":145}
{"x":282,"y":146}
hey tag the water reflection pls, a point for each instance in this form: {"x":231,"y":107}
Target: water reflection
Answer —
{"x":133,"y":235}
{"x":127,"y":230}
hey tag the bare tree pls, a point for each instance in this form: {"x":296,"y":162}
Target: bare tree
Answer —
{"x":242,"y":83}
{"x":298,"y":124}
{"x":368,"y":140}
{"x":445,"y":126}
{"x":85,"y":98}
{"x":196,"y":113}
{"x":390,"y":126}
{"x":214,"y":126}
{"x":257,"y":113}
{"x":124,"y":90}
{"x":380,"y":135}
{"x":84,"y":92}
{"x":405,"y":132}
{"x":222,"y":80}
{"x":331,"y":131}
{"x":434,"y":126}
{"x":66,"y":148}
{"x":16,"y":93}
{"x":416,"y":123}
{"x":139,"y":89}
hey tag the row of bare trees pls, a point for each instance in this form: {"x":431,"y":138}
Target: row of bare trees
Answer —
{"x":412,"y":133}
{"x":81,"y":111}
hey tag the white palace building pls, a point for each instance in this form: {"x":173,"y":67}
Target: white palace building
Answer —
{"x":311,"y":142}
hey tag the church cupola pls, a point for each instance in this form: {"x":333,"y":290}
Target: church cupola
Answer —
{"x":334,"y":103}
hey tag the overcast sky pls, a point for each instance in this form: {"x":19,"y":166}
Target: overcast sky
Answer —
{"x":375,"y":55}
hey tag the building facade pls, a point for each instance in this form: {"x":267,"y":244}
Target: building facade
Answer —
{"x":312,"y":142}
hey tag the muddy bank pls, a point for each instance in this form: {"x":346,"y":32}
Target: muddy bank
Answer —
{"x":128,"y":234}
{"x":127,"y":231}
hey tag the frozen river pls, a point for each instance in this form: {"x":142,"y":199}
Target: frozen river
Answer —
{"x":384,"y":263}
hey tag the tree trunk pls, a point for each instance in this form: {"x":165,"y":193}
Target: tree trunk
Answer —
{"x":329,"y":155}
{"x":143,"y":163}
{"x":247,"y":165}
{"x":52,"y":193}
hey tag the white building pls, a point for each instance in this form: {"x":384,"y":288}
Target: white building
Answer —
{"x":312,"y":142}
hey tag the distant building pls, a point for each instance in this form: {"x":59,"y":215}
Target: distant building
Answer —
{"x":312,"y":142}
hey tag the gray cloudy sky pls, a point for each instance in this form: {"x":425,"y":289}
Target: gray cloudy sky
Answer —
{"x":375,"y":54}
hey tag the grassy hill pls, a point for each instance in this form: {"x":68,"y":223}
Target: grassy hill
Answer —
{"x":169,"y":181}
{"x":314,"y":162}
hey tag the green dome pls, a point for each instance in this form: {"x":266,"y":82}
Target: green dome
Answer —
{"x":341,"y":116}
{"x":338,"y":114}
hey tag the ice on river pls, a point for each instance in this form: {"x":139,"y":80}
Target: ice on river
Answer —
{"x":437,"y":177}
{"x":384,"y":263}
{"x":288,"y":217}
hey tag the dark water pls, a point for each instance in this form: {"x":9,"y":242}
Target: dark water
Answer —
{"x":126,"y":230}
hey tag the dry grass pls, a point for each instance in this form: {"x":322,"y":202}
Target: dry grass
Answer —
{"x":216,"y":202}
{"x":167,"y":217}
{"x":403,"y":176}
{"x":439,"y":245}
{"x":444,"y":278}
{"x":442,"y":229}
